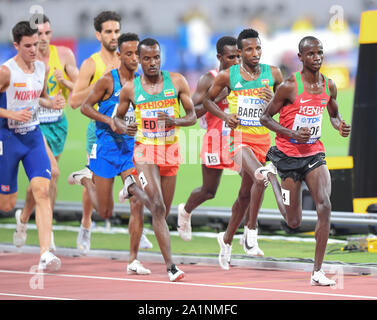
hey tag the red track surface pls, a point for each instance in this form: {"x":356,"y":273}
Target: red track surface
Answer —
{"x":98,"y":278}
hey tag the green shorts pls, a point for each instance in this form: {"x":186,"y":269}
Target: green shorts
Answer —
{"x":90,"y":136}
{"x":55,"y":134}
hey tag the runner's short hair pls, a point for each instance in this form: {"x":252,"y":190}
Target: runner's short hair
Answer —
{"x":125,"y":37}
{"x":21,"y":29}
{"x":105,"y":16}
{"x":225,"y":41}
{"x":302,"y":42}
{"x":149,"y":42}
{"x":246,"y":34}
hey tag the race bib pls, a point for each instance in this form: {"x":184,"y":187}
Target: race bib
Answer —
{"x":249,"y":111}
{"x":47,"y":115}
{"x":151,"y":128}
{"x":314,"y":123}
{"x":1,"y":148}
{"x":212,"y":159}
{"x":24,"y":127}
{"x":93,"y":153}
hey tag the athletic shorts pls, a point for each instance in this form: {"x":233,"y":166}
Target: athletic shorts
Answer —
{"x":55,"y":134}
{"x":110,"y":157}
{"x":259,"y":144}
{"x":28,"y":148}
{"x":166,"y":157}
{"x":295,"y":168}
{"x":90,"y":136}
{"x":213,"y":153}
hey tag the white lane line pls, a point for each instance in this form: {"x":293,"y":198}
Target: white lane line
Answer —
{"x":197,"y":285}
{"x":31,"y":296}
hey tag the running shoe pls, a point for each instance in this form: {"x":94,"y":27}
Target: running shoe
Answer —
{"x":49,"y":262}
{"x":225,"y":252}
{"x":184,"y":223}
{"x":77,"y":176}
{"x":318,"y":278}
{"x":145,"y":243}
{"x":261,"y":172}
{"x":250,"y":244}
{"x":135,"y":267}
{"x":83,"y":240}
{"x":19,"y":237}
{"x":175,"y":274}
{"x":123,"y":194}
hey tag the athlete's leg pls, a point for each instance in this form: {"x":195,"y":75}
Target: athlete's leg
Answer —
{"x":136,"y":222}
{"x":211,"y":180}
{"x":246,"y":159}
{"x":239,"y":208}
{"x":43,"y":212}
{"x":153,"y":190}
{"x":104,"y":195}
{"x":319,"y":184}
{"x":8,"y":201}
{"x":293,"y":200}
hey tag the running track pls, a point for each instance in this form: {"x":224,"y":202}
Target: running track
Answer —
{"x":88,"y":278}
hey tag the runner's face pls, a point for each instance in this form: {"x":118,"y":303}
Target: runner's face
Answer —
{"x":128,"y":55}
{"x":109,"y":35}
{"x":251,"y":51}
{"x":150,"y":59}
{"x":229,"y":57}
{"x":45,"y":35}
{"x":28,"y":47}
{"x":312,"y":55}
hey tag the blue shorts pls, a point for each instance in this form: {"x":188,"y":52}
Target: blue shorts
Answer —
{"x":110,"y":157}
{"x":28,"y":148}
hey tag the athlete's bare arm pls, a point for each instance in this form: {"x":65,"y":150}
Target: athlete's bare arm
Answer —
{"x":4,"y":78}
{"x":126,"y":97}
{"x":285,"y":94}
{"x":82,"y":88}
{"x":332,"y":107}
{"x":221,"y":81}
{"x":183,"y":91}
{"x":69,"y":64}
{"x":102,"y":90}
{"x":204,"y":83}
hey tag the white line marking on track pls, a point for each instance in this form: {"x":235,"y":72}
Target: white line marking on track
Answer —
{"x":195,"y":285}
{"x":31,"y":296}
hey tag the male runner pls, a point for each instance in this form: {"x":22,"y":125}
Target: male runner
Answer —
{"x":249,"y":83}
{"x":107,"y":25}
{"x":113,"y":153}
{"x":299,"y":153}
{"x":156,"y":96}
{"x":53,"y":123}
{"x":22,"y":89}
{"x":213,"y":160}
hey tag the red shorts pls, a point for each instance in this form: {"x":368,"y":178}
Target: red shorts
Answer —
{"x":213,"y":153}
{"x":259,"y":144}
{"x":166,"y":157}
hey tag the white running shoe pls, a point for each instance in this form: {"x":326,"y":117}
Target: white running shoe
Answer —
{"x":123,"y":194}
{"x":184,"y":223}
{"x":49,"y":262}
{"x":225,"y":252}
{"x":250,"y":244}
{"x":318,"y":278}
{"x":175,"y":274}
{"x":77,"y":176}
{"x":137,"y":268}
{"x":19,"y":237}
{"x":145,"y":243}
{"x":261,"y":172}
{"x":83,"y":240}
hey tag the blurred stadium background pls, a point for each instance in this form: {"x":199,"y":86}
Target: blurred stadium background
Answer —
{"x":187,"y":31}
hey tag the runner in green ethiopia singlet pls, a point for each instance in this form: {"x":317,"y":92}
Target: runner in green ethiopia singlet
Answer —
{"x":244,"y":99}
{"x":147,"y":107}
